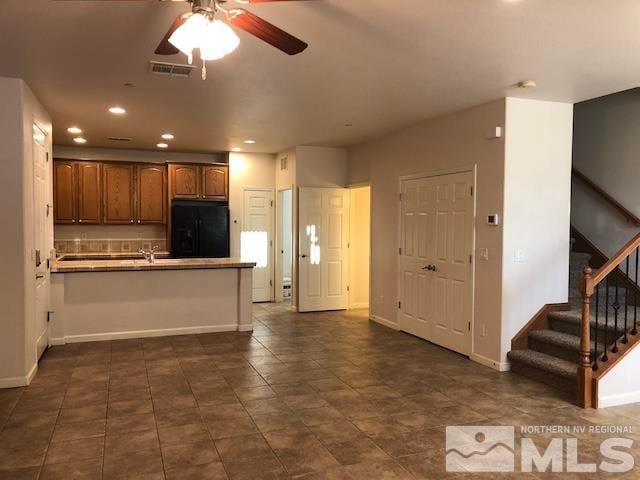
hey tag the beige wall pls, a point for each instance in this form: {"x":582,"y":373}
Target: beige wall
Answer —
{"x":246,"y":170}
{"x":456,"y":140}
{"x":525,"y":180}
{"x":20,"y":109}
{"x":359,"y":238}
{"x":321,"y":167}
{"x":536,"y":212}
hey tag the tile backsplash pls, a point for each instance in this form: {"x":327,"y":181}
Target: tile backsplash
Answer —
{"x":108,"y":245}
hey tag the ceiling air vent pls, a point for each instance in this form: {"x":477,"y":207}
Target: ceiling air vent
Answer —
{"x":119,"y":139}
{"x":171,"y":69}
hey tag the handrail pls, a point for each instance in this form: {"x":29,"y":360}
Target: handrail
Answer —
{"x":611,"y":265}
{"x":590,"y":285}
{"x":625,"y":212}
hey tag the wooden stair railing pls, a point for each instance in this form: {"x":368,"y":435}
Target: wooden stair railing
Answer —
{"x":619,"y":333}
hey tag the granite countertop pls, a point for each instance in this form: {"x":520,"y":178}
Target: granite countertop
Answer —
{"x":108,"y":256}
{"x":116,"y":265}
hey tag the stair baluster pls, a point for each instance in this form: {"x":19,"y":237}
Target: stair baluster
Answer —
{"x":625,"y":338}
{"x":635,"y":298}
{"x":595,"y":330}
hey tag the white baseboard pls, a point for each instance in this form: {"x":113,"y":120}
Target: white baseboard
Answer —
{"x":619,"y":399}
{"x":487,"y":362}
{"x":245,"y":328}
{"x":384,"y":321}
{"x":166,"y":332}
{"x":13,"y":382}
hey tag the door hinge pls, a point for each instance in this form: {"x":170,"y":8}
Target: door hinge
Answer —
{"x":471,"y":259}
{"x":348,"y":244}
{"x":472,"y":191}
{"x":47,"y":156}
{"x":271,"y":243}
{"x":271,"y":283}
{"x":271,"y":203}
{"x":399,"y":305}
{"x":400,"y":251}
{"x":400,"y":197}
{"x":348,"y":288}
{"x":49,"y":316}
{"x":469,"y":326}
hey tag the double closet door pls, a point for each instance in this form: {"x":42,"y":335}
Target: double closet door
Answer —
{"x":436,"y":242}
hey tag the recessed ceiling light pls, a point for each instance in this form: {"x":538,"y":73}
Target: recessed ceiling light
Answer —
{"x":163,"y":145}
{"x":250,"y":142}
{"x":74,"y":130}
{"x":79,"y":140}
{"x":168,"y":136}
{"x":236,"y":149}
{"x":117,"y":110}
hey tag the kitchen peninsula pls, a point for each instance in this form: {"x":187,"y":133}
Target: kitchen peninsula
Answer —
{"x":111,"y":299}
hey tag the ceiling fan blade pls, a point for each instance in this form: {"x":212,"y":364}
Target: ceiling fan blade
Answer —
{"x":166,"y":48}
{"x":267,"y":32}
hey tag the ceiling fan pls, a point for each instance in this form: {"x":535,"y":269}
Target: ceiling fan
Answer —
{"x":202,"y":29}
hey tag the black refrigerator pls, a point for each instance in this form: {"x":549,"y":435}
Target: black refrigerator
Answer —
{"x":199,"y":229}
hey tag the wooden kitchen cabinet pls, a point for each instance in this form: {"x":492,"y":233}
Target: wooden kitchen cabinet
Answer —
{"x":118,"y":193}
{"x":89,"y":192}
{"x":64,"y":198}
{"x":199,"y":181}
{"x":185,"y":181}
{"x":151,"y":194}
{"x":215,"y":182}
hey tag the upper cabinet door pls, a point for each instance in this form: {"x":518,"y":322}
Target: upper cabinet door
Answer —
{"x":89,"y":192}
{"x":185,"y":181}
{"x":151,"y":194}
{"x":118,"y":193}
{"x":215,"y":182}
{"x":64,"y":196}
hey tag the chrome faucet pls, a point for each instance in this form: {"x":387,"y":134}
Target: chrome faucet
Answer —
{"x":149,"y":255}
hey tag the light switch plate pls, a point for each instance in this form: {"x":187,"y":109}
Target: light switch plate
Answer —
{"x":484,"y":254}
{"x":518,"y":256}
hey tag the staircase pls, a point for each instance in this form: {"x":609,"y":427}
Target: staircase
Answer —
{"x":553,"y":353}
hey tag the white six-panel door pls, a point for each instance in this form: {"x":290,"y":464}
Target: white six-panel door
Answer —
{"x":323,"y":249}
{"x":435,"y":259}
{"x":257,"y":240}
{"x":41,"y":204}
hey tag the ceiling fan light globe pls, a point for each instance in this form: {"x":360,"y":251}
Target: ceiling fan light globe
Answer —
{"x":189,"y":35}
{"x":218,"y":41}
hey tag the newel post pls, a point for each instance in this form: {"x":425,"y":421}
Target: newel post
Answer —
{"x":585,"y":370}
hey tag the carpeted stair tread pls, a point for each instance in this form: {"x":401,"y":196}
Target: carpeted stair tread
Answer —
{"x":575,"y":317}
{"x":546,"y":363}
{"x":559,"y":339}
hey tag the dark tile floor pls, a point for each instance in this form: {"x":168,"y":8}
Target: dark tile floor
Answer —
{"x":316,"y":396}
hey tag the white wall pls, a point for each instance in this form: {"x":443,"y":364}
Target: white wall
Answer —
{"x":20,"y":109}
{"x":606,"y":149}
{"x":621,"y":385}
{"x":455,"y":140}
{"x":537,"y":200}
{"x":321,"y":167}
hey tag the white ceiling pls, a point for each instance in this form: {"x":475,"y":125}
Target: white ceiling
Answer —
{"x":377,"y":64}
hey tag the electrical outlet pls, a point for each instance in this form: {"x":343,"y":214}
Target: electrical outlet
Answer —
{"x":518,"y":256}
